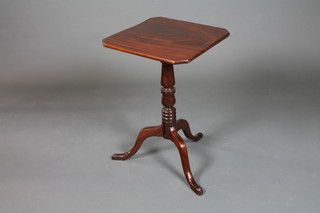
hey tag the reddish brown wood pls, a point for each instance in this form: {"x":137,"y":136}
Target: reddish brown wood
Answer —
{"x":167,"y":40}
{"x":143,"y":134}
{"x":170,"y":42}
{"x":184,"y":125}
{"x":168,"y":99}
{"x":169,"y":128}
{"x":182,"y":148}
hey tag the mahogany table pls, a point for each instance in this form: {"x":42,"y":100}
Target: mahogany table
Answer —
{"x":170,"y":42}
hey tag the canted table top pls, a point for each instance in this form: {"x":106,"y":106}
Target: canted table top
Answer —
{"x":167,"y":40}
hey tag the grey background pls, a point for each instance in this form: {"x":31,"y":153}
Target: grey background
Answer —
{"x":67,"y":104}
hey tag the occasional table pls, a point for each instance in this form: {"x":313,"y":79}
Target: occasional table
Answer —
{"x":171,"y":42}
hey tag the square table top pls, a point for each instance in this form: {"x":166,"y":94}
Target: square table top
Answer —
{"x":167,"y":40}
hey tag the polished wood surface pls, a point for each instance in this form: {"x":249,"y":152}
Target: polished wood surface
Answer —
{"x":170,"y":42}
{"x":169,"y":128}
{"x":167,"y":40}
{"x":184,"y":125}
{"x":182,"y":148}
{"x":145,"y":133}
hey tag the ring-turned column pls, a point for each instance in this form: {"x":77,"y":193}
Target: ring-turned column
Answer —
{"x":168,"y":99}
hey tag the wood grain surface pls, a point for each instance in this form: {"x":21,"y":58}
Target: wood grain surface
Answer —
{"x":167,"y":40}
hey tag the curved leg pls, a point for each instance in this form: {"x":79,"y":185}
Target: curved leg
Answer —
{"x":181,"y":145}
{"x":143,"y":134}
{"x":184,"y":125}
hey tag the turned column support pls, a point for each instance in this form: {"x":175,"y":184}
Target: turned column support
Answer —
{"x":169,"y":127}
{"x":168,"y":99}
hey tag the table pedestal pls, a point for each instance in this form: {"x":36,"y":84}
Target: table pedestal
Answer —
{"x":169,"y":127}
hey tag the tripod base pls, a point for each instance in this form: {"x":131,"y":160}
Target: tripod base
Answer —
{"x":176,"y":139}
